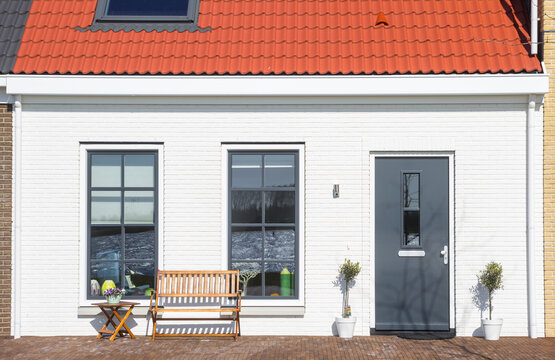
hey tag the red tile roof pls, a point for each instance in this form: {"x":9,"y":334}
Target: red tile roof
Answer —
{"x":289,"y":37}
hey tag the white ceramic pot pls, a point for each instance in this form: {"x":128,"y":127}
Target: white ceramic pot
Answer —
{"x":345,"y":326}
{"x":492,"y":328}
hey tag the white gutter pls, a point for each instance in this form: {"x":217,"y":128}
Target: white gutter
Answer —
{"x":387,"y":85}
{"x":16,"y":263}
{"x":534,"y":26}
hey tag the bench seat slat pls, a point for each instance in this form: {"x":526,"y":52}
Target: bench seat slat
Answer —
{"x":199,"y":310}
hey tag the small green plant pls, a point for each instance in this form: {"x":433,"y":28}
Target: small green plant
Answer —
{"x":491,"y":278}
{"x":349,"y":270}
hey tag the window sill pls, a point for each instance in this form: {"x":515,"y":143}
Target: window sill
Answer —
{"x":141,"y":310}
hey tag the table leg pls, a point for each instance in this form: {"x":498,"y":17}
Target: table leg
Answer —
{"x":109,"y":321}
{"x":122,"y":323}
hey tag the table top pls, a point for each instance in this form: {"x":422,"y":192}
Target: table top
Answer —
{"x":120,"y":304}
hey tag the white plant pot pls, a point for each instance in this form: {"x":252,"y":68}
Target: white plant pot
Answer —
{"x":492,"y":328}
{"x":345,"y":326}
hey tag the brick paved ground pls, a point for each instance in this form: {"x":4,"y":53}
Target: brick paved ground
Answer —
{"x":277,"y":347}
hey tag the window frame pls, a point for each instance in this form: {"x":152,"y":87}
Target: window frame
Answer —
{"x":102,"y":9}
{"x":85,"y":147}
{"x":299,"y":298}
{"x":263,"y":189}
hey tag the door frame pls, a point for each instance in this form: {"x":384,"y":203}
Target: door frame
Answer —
{"x":400,"y":154}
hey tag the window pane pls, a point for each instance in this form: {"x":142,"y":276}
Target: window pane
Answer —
{"x":246,"y":243}
{"x":139,"y":207}
{"x":103,"y":271}
{"x":250,"y":278}
{"x":106,"y":243}
{"x":139,"y":277}
{"x":280,"y":206}
{"x":279,"y":243}
{"x":105,"y":207}
{"x":139,"y":242}
{"x":105,"y":170}
{"x":139,"y":170}
{"x":279,"y":170}
{"x":246,"y":207}
{"x":411,"y":190}
{"x":411,"y":224}
{"x":147,"y":7}
{"x":246,"y":171}
{"x":279,"y":279}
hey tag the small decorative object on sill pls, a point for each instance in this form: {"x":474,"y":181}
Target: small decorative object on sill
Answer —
{"x":285,"y":282}
{"x":113,"y":295}
{"x":107,"y":284}
{"x":95,"y":288}
{"x":245,"y":276}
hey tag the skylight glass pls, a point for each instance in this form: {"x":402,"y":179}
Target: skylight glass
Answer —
{"x":147,"y":8}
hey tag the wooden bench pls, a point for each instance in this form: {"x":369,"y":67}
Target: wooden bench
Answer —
{"x":199,"y":286}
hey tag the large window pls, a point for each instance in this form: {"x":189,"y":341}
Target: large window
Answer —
{"x":122,"y":221}
{"x":263,"y":222}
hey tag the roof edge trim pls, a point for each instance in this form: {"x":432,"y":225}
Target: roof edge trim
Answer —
{"x":389,"y":85}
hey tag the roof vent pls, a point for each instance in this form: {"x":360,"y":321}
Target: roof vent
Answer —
{"x":381,"y":20}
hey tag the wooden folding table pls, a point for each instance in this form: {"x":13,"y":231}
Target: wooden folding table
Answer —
{"x":111,"y":311}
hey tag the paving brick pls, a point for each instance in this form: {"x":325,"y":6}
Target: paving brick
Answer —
{"x":276,"y":347}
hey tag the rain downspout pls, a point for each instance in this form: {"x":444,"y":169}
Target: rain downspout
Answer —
{"x":534,"y":27}
{"x":16,"y":268}
{"x":530,"y":218}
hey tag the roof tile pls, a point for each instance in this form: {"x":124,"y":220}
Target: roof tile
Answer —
{"x":288,"y":37}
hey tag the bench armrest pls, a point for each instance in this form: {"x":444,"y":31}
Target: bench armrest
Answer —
{"x":152,"y":293}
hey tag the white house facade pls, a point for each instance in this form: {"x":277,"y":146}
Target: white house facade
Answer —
{"x":281,"y":173}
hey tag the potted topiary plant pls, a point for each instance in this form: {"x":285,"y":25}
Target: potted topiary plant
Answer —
{"x":346,"y":324}
{"x":491,"y":278}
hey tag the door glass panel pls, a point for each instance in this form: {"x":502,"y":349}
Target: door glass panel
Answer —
{"x":250,"y":277}
{"x":139,"y":170}
{"x":246,"y":171}
{"x":139,"y":207}
{"x":411,"y":225}
{"x":105,"y":207}
{"x":280,"y":207}
{"x":279,"y":279}
{"x":279,"y":170}
{"x":105,"y":170}
{"x":139,"y":242}
{"x":106,"y":243}
{"x":246,"y":207}
{"x":279,"y":243}
{"x":246,"y":243}
{"x":411,"y":190}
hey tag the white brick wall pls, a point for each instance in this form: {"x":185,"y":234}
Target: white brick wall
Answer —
{"x":488,"y":141}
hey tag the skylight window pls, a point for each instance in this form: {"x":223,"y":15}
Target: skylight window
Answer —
{"x":157,"y":8}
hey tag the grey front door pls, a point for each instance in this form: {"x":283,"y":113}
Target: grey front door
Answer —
{"x":412,"y":234}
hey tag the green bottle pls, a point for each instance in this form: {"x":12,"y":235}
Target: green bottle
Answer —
{"x":285,"y":280}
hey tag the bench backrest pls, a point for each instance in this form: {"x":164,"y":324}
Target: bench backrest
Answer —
{"x":198,"y":283}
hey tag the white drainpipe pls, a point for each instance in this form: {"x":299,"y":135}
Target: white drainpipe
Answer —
{"x":16,"y":263}
{"x":530,"y":218}
{"x":534,"y":26}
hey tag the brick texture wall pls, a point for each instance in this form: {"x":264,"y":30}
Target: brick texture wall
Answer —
{"x":5,"y":218}
{"x":547,"y":12}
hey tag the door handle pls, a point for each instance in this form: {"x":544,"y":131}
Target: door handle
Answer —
{"x":445,"y":254}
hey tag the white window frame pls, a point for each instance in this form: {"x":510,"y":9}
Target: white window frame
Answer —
{"x":299,"y":148}
{"x":84,"y":149}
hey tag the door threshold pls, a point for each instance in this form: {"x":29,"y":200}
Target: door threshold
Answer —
{"x":417,"y":334}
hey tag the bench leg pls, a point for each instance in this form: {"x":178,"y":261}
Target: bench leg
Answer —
{"x":153,"y":327}
{"x":239,"y":323}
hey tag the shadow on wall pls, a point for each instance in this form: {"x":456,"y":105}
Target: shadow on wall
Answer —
{"x":480,"y":300}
